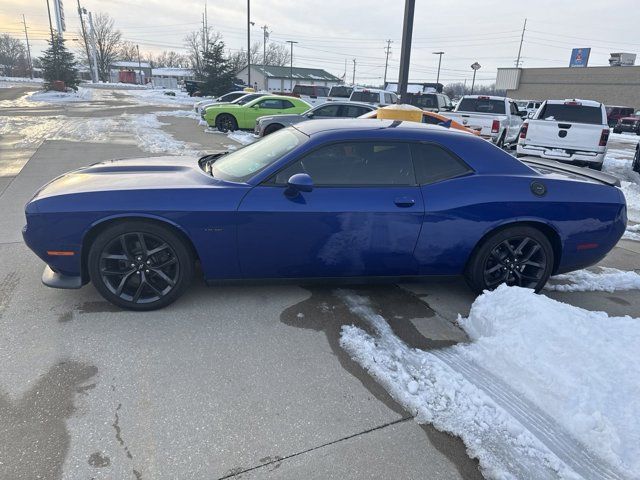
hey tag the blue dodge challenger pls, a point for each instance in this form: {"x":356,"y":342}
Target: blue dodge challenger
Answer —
{"x":332,"y":199}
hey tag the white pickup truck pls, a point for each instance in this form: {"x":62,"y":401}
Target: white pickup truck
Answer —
{"x":496,"y":118}
{"x":573,"y":131}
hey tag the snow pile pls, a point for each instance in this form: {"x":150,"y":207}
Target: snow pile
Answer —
{"x":245,"y":138}
{"x":632,"y":232}
{"x":52,"y":96}
{"x":544,"y":390}
{"x":606,"y":280}
{"x":631,"y":192}
{"x":618,"y":162}
{"x":20,"y":80}
{"x":157,"y":96}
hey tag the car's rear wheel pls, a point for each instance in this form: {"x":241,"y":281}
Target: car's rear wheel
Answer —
{"x":272,"y":128}
{"x":636,"y":160}
{"x":140,"y":265}
{"x":226,"y":123}
{"x":517,"y":256}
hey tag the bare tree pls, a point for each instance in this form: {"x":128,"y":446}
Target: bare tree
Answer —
{"x":128,"y":51}
{"x":276,"y":54}
{"x":108,"y":41}
{"x":197,"y":43}
{"x":13,"y":54}
{"x":171,"y":59}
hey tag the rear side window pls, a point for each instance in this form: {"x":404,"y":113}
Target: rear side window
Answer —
{"x":364,"y":96}
{"x":353,"y":111}
{"x":481,"y":106}
{"x":355,"y":164}
{"x":571,"y":113}
{"x":433,"y":164}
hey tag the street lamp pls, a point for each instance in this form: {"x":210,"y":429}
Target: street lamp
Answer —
{"x":439,"y":63}
{"x":475,"y":66}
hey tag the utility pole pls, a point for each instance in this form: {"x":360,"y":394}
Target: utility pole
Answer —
{"x":344,"y":75}
{"x":139,"y":64}
{"x":92,"y":34}
{"x":249,"y":42}
{"x":84,"y":37}
{"x":475,"y":66}
{"x":405,"y":52}
{"x":291,"y":66}
{"x":55,"y":57}
{"x":439,"y":63}
{"x":26,"y":36}
{"x":386,"y":61}
{"x":524,"y":27}
{"x":265,"y":37}
{"x":353,"y":79}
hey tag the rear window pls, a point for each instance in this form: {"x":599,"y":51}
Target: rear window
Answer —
{"x":340,"y":91}
{"x":303,"y":90}
{"x":423,"y":101}
{"x":571,"y":114}
{"x":481,"y":106}
{"x":367,"y":97}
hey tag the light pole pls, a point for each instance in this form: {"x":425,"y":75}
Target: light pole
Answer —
{"x":249,"y":42}
{"x":475,"y":66}
{"x":405,"y":52}
{"x":439,"y":63}
{"x":291,"y":66}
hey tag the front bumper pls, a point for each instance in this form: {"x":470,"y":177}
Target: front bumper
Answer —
{"x":58,"y":280}
{"x":581,"y":158}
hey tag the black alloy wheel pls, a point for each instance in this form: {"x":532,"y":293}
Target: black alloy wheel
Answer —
{"x":515,"y":256}
{"x":140,"y":265}
{"x":226,"y":123}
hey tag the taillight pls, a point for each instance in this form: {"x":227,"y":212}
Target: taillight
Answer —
{"x":523,"y":130}
{"x":604,"y":137}
{"x":495,"y":126}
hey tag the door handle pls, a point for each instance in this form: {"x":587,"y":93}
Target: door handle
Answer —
{"x":404,"y":202}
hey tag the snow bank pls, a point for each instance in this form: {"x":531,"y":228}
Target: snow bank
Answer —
{"x":544,"y":390}
{"x":52,"y":96}
{"x":245,"y":138}
{"x":157,"y":96}
{"x":618,"y":162}
{"x":20,"y":80}
{"x":606,"y":280}
{"x":632,"y":232}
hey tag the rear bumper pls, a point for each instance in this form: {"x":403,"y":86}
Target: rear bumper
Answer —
{"x":575,"y":157}
{"x":58,"y":280}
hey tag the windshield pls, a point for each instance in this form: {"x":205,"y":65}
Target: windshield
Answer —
{"x":242,"y":164}
{"x":572,"y":113}
{"x":522,"y":104}
{"x":481,"y":105}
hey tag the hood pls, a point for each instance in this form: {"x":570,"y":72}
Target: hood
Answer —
{"x":131,"y":174}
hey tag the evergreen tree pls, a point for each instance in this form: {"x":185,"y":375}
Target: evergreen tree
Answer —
{"x":58,"y":63}
{"x":219,"y":76}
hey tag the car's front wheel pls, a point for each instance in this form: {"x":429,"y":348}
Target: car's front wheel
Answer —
{"x":517,"y":256}
{"x":272,"y":128}
{"x":140,"y":265}
{"x":226,"y":123}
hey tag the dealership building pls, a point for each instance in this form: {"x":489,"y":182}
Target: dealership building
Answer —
{"x":618,"y":85}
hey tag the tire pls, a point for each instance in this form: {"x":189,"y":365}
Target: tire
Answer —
{"x":501,"y":257}
{"x":226,"y":122}
{"x":137,"y":274}
{"x":636,"y":160}
{"x":272,"y":128}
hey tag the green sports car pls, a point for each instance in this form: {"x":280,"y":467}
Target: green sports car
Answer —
{"x":232,"y":117}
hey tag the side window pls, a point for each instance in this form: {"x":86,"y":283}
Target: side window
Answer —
{"x":394,"y":98}
{"x":272,"y":103}
{"x":327,"y":111}
{"x":514,"y":108}
{"x":355,"y":164}
{"x":434,"y":163}
{"x":353,"y":111}
{"x":286,"y":104}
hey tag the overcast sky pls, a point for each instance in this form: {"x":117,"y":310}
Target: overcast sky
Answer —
{"x":332,"y":31}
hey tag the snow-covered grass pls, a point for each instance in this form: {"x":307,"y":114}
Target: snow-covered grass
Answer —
{"x":604,"y":280}
{"x":157,"y":96}
{"x":11,"y":80}
{"x":52,"y":96}
{"x":544,"y":389}
{"x":115,"y":86}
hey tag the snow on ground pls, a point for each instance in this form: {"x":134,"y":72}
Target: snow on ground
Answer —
{"x":632,"y":232}
{"x":51,"y":96}
{"x":544,"y":390}
{"x":245,"y":138}
{"x":9,"y":81}
{"x":157,"y":96}
{"x":604,"y":280}
{"x":618,"y":162}
{"x":179,"y":113}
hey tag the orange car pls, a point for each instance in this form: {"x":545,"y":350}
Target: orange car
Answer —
{"x":412,"y":114}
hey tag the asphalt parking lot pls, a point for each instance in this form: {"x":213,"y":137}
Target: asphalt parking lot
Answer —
{"x":228,"y":382}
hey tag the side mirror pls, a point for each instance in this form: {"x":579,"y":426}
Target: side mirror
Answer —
{"x":300,"y":182}
{"x":309,"y":115}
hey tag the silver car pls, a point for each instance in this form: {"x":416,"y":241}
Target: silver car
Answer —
{"x":271,"y":123}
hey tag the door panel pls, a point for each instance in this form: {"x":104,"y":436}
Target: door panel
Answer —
{"x":329,"y":232}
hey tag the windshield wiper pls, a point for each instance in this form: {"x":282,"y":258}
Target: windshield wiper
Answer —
{"x":208,"y":160}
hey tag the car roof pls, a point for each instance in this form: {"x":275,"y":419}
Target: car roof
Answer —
{"x":352,"y":125}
